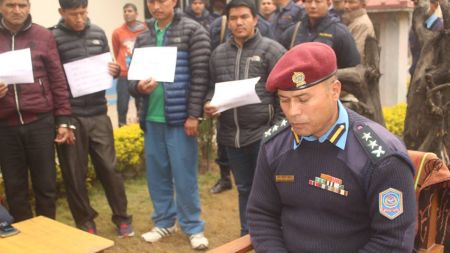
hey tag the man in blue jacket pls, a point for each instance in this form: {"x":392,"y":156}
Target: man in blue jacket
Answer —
{"x":169,"y":118}
{"x":318,"y":25}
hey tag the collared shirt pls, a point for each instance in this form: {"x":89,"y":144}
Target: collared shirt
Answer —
{"x":337,"y":134}
{"x":430,"y":21}
{"x":156,"y":112}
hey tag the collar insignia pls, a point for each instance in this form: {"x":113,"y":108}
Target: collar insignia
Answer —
{"x":299,"y":79}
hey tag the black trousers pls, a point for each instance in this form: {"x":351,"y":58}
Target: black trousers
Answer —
{"x":29,"y":150}
{"x":94,"y":138}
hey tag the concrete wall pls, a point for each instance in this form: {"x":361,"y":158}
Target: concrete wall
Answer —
{"x":105,"y":13}
{"x":392,"y":32}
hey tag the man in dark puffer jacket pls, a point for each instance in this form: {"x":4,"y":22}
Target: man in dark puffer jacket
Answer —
{"x":246,"y":55}
{"x":170,"y":121}
{"x":78,"y":39}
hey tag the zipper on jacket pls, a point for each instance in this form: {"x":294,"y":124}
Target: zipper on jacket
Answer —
{"x":16,"y":95}
{"x":44,"y":93}
{"x":247,"y":65}
{"x":235,"y":113}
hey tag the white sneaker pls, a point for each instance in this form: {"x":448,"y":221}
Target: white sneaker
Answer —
{"x":158,"y":233}
{"x":199,"y":241}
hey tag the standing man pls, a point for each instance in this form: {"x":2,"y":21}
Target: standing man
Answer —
{"x":267,"y":8}
{"x":123,"y":39}
{"x":287,"y":14}
{"x":337,"y":9}
{"x":169,"y":119}
{"x":328,"y":179}
{"x":358,"y":23}
{"x":198,"y":12}
{"x":318,"y":25}
{"x":245,"y":55}
{"x":30,"y":113}
{"x":77,"y":39}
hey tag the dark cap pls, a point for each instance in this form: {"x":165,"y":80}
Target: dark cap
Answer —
{"x":237,"y":3}
{"x":303,"y":66}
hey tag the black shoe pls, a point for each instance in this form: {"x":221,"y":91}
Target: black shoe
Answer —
{"x":220,"y":186}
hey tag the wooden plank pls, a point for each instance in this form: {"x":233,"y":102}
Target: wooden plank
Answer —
{"x":241,"y":245}
{"x":41,"y":234}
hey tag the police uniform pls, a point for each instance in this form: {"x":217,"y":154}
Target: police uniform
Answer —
{"x":285,"y":17}
{"x":350,"y":190}
{"x":330,"y":31}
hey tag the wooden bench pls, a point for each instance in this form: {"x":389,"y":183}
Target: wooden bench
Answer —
{"x":44,"y":235}
{"x":427,"y":223}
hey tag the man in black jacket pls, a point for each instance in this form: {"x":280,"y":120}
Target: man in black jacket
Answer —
{"x":77,"y":39}
{"x":245,"y":55}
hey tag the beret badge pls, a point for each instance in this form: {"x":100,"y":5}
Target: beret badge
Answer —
{"x":299,"y":79}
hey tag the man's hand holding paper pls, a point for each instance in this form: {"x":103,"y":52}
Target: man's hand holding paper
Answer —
{"x":233,"y":94}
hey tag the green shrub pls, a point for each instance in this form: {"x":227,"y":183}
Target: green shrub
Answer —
{"x":395,"y":118}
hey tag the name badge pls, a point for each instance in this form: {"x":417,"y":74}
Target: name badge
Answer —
{"x":284,"y":178}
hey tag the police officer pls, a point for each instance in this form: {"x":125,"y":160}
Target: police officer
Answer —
{"x":318,"y":25}
{"x":327,"y":179}
{"x":286,"y":15}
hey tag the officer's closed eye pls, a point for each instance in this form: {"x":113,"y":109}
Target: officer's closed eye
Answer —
{"x":304,"y":98}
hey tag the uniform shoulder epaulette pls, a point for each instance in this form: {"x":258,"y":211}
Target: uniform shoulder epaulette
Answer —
{"x":277,"y":128}
{"x":372,"y":144}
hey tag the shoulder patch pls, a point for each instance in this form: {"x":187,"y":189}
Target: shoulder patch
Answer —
{"x":277,"y":128}
{"x":375,"y":148}
{"x":391,"y":203}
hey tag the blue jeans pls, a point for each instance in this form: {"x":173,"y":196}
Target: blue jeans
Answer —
{"x":243,"y":164}
{"x":123,"y":98}
{"x":171,"y":158}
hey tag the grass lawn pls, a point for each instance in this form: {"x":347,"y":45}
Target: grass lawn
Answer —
{"x":219,"y":211}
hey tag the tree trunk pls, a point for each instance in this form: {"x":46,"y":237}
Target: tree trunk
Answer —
{"x":427,"y":117}
{"x":360,"y":88}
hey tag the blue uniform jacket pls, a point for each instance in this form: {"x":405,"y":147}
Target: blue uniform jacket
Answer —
{"x":328,"y":31}
{"x":322,"y":196}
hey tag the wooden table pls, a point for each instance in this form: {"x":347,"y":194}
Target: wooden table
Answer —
{"x":44,"y":235}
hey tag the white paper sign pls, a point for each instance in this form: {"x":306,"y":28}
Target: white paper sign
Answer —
{"x":16,"y":67}
{"x":89,"y":75}
{"x":233,"y":94}
{"x":156,"y":62}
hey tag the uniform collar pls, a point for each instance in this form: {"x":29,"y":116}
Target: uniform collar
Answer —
{"x":430,"y":21}
{"x":337,"y":134}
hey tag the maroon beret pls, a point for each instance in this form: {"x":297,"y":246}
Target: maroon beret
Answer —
{"x":303,"y":66}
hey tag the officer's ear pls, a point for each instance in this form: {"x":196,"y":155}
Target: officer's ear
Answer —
{"x":335,"y":89}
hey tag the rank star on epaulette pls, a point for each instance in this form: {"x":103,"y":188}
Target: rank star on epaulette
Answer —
{"x":372,"y":144}
{"x":275,"y":129}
